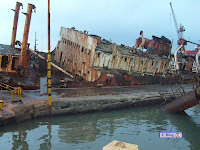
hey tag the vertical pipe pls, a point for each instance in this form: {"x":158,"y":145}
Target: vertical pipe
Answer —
{"x":16,"y":17}
{"x":23,"y":58}
{"x":12,"y":95}
{"x":49,"y":58}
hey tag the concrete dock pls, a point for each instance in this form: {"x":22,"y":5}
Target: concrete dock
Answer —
{"x":82,"y":100}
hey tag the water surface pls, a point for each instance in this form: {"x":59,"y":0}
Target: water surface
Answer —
{"x":92,"y":131}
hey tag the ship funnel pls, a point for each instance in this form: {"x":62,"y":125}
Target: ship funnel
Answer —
{"x":14,"y":30}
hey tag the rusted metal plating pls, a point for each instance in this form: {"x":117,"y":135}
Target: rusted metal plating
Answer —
{"x":75,"y":52}
{"x":89,"y":57}
{"x":14,"y":32}
{"x":182,"y":103}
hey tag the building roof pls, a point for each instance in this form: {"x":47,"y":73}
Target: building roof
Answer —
{"x":8,"y":50}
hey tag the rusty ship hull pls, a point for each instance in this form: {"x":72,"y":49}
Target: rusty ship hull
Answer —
{"x":88,"y":59}
{"x":97,"y":62}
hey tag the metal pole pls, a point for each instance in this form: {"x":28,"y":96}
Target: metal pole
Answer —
{"x":16,"y":17}
{"x":35,"y":42}
{"x":24,"y":58}
{"x":49,"y":58}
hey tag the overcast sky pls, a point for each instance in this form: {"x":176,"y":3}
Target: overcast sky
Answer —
{"x":118,"y":20}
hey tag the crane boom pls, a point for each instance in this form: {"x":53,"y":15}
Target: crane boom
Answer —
{"x":175,"y":22}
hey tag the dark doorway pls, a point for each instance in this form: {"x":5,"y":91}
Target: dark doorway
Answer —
{"x":14,"y":63}
{"x":4,"y":61}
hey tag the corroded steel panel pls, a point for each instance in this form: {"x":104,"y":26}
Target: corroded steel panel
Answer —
{"x":182,"y":103}
{"x":79,"y":54}
{"x":75,"y":52}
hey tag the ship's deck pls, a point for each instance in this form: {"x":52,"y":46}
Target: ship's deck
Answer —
{"x":107,"y":47}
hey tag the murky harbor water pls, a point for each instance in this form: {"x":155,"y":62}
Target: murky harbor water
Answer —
{"x":139,"y":126}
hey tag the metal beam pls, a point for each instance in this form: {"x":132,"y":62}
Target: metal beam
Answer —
{"x":16,"y":17}
{"x":23,"y":58}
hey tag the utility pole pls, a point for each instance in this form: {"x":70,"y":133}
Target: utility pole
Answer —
{"x":49,"y":59}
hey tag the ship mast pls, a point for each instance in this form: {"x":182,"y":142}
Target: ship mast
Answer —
{"x":35,"y":47}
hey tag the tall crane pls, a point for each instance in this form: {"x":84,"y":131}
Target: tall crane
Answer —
{"x":179,"y":30}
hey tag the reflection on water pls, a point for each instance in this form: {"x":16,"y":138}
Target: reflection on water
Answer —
{"x":93,"y":131}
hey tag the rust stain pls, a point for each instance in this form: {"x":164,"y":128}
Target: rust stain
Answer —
{"x":99,"y":61}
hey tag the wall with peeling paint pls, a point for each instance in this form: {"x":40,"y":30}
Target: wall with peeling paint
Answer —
{"x":78,"y":53}
{"x":8,"y":64}
{"x":75,"y":52}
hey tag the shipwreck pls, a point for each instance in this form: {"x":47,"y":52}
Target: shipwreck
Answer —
{"x":100,"y":62}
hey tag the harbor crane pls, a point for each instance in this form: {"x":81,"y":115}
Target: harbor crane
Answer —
{"x":179,"y":30}
{"x":181,"y":43}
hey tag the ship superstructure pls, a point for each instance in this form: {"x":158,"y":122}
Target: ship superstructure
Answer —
{"x":100,"y":61}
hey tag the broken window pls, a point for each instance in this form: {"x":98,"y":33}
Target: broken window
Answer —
{"x":60,"y":57}
{"x":114,"y":56}
{"x":125,"y":59}
{"x":99,"y":54}
{"x":141,"y":62}
{"x":82,"y":49}
{"x":152,"y":63}
{"x":4,"y":61}
{"x":14,"y":63}
{"x":89,"y":52}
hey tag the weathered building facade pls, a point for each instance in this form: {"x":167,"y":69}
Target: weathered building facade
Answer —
{"x":102,"y":62}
